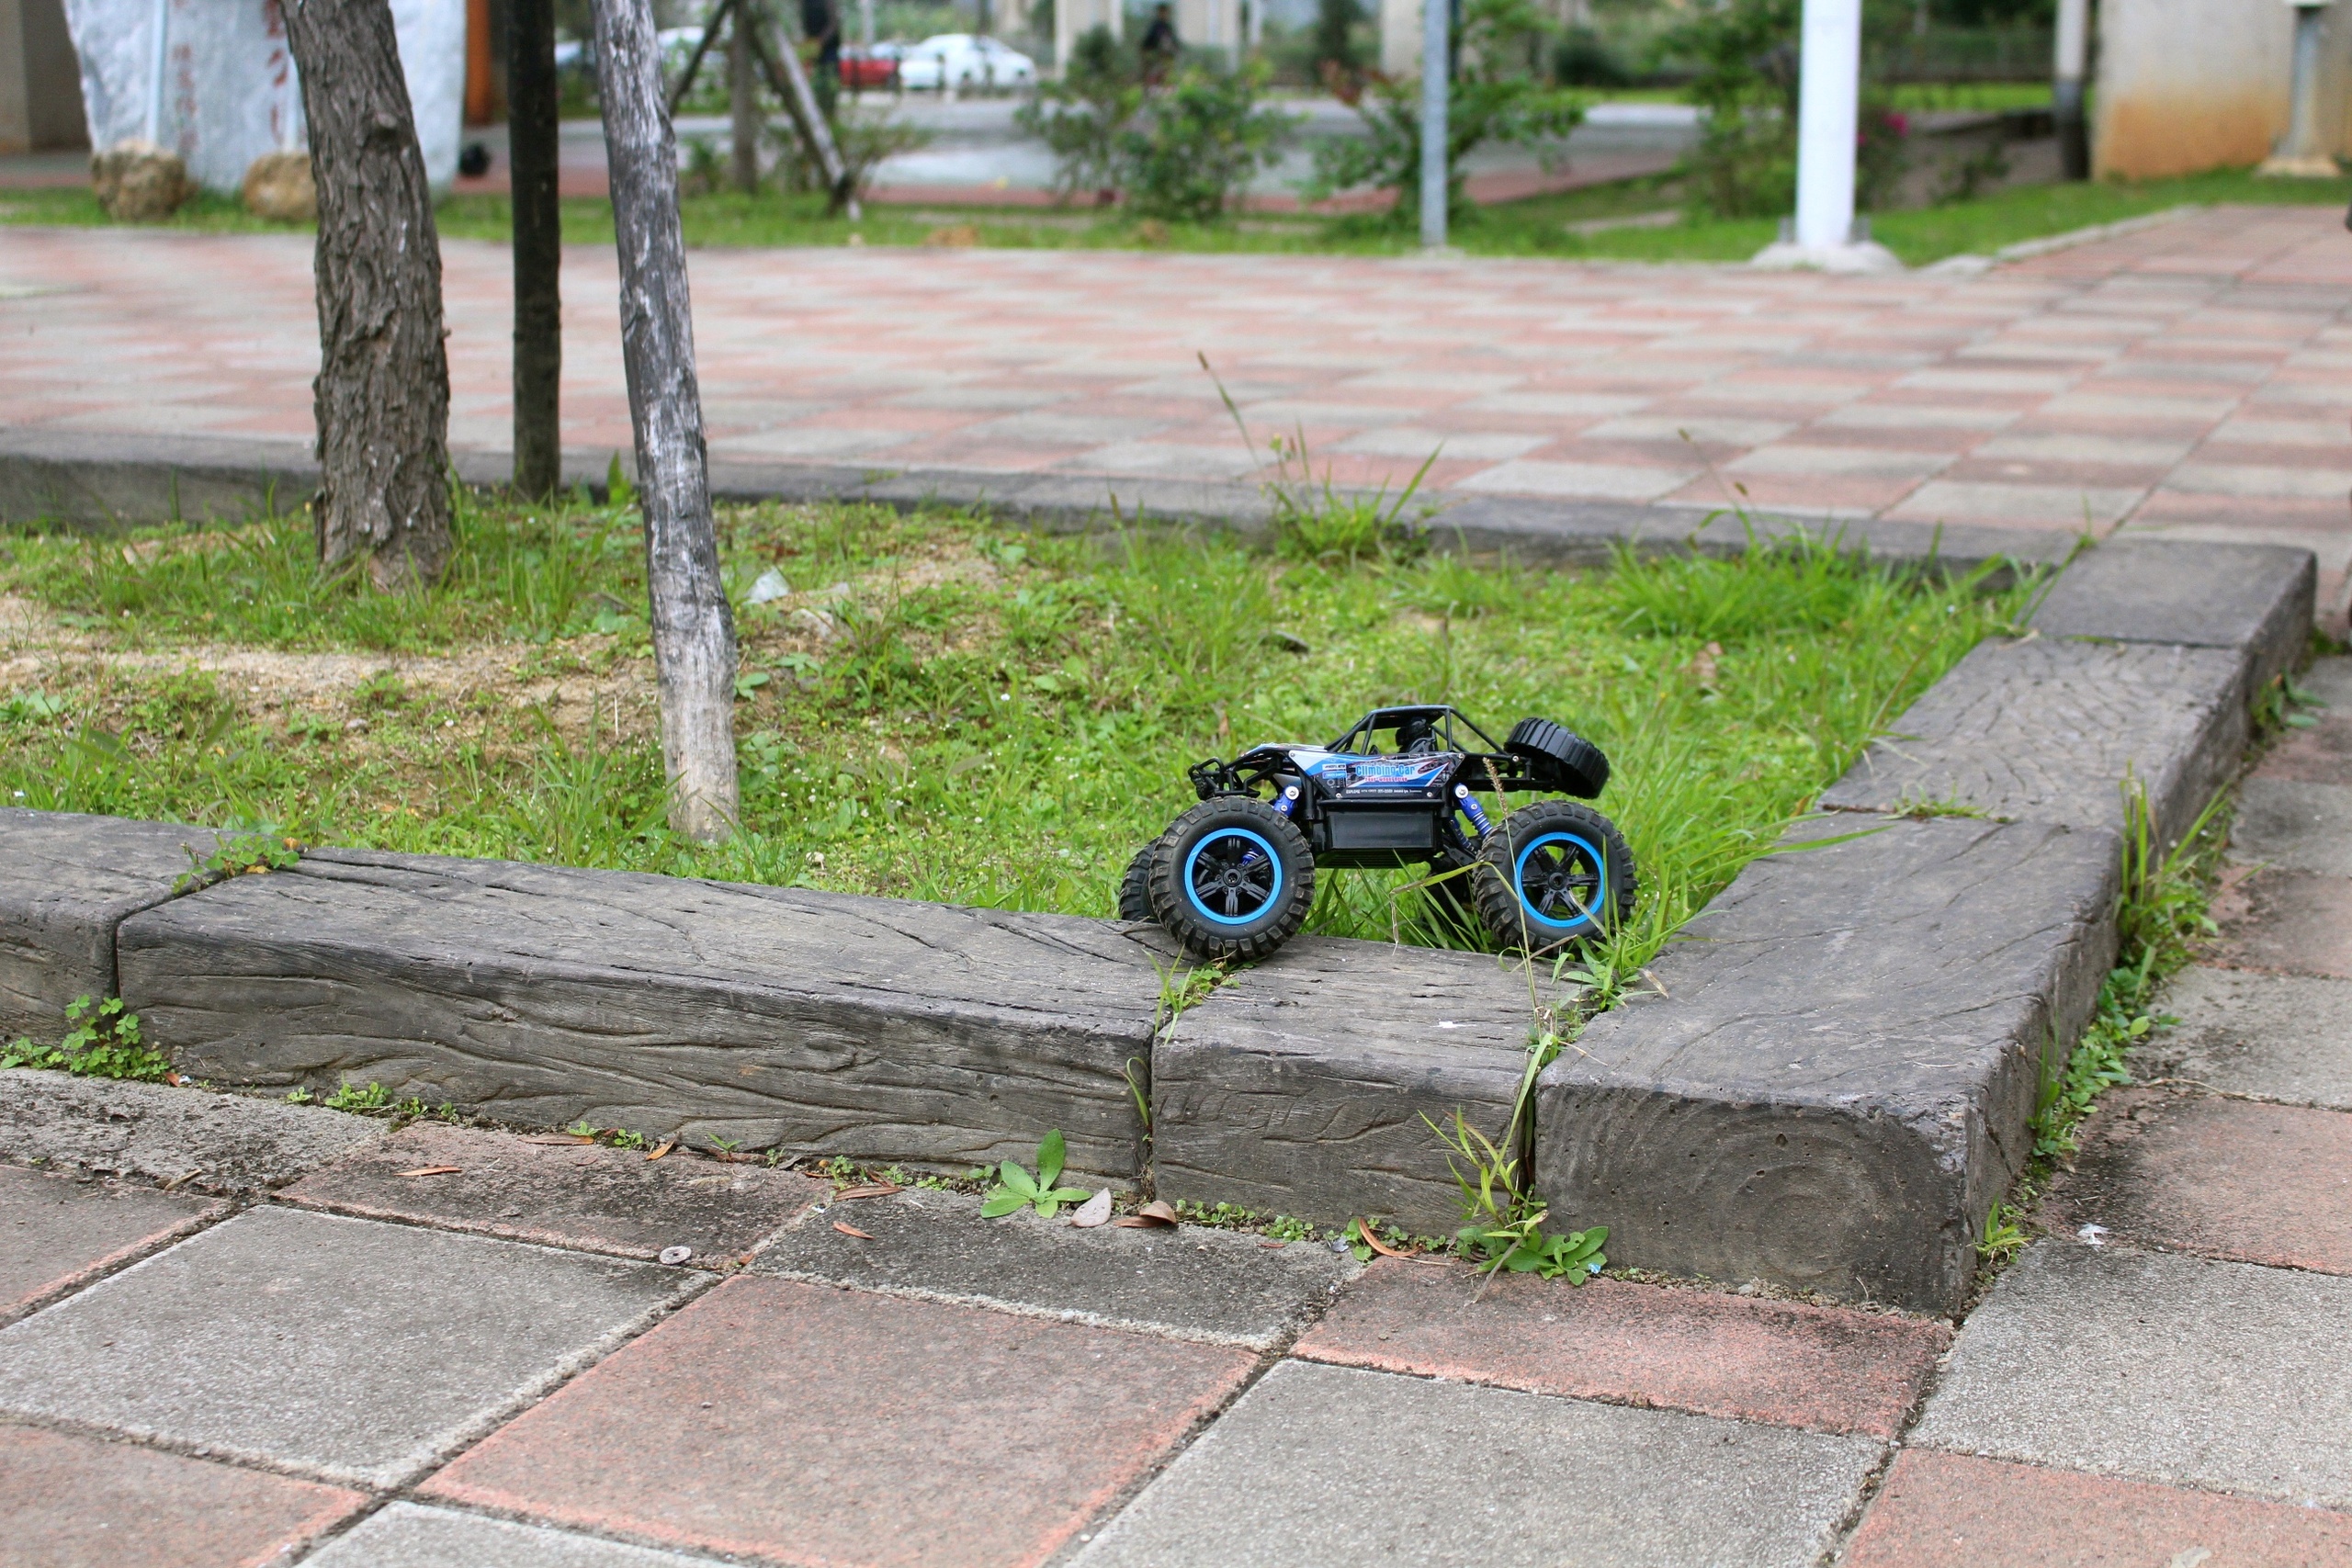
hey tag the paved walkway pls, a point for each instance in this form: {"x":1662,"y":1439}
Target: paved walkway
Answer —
{"x":2192,"y":379}
{"x":241,"y":1332}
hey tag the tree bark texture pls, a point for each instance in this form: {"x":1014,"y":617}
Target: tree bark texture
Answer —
{"x":531,"y":96}
{"x":382,"y":399}
{"x":694,"y":632}
{"x":743,"y":97}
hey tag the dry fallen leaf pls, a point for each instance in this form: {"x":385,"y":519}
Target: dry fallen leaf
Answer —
{"x":1095,"y":1211}
{"x":851,"y":1230}
{"x":878,"y":1189}
{"x":1151,"y":1216}
{"x":435,"y":1171}
{"x":173,"y":1079}
{"x":657,"y":1154}
{"x":1372,"y":1239}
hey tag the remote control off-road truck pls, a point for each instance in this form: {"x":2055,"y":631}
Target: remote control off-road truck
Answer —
{"x":1233,"y":877}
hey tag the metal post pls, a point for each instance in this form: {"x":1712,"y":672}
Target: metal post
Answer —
{"x":2072,"y":61}
{"x":1827,"y":107}
{"x":2303,"y":154}
{"x":1436,"y":67}
{"x":155,"y":82}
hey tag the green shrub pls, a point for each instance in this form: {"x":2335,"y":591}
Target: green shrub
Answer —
{"x":1195,"y":146}
{"x":1496,"y":97}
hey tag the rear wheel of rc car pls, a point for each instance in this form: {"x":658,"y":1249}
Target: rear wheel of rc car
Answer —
{"x":1134,"y":887}
{"x":1232,"y":878}
{"x":1576,"y":764}
{"x":1553,"y":873}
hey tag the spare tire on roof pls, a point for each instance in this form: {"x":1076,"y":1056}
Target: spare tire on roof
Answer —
{"x":1558,"y":758}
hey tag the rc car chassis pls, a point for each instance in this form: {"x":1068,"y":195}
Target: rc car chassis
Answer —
{"x":1234,"y":876}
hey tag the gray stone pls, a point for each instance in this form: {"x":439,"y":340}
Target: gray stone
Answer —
{"x":2295,"y":825}
{"x":1948,"y":549}
{"x":102,"y":484}
{"x":2330,"y":679}
{"x":2046,"y":731}
{"x":1330,"y":1467}
{"x":871,"y":1027}
{"x":408,"y":1535}
{"x":66,"y":882}
{"x":2152,"y":1365}
{"x":1836,"y":1085}
{"x":1308,"y":1085}
{"x":2282,"y":1037}
{"x":2255,"y":600}
{"x":58,"y":1232}
{"x":194,"y":1137}
{"x":1200,"y":1284}
{"x":353,"y":1351}
{"x":1561,"y":533}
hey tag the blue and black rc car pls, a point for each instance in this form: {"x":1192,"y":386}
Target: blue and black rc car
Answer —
{"x":1233,"y":877}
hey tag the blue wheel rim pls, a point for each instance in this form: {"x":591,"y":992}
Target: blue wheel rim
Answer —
{"x":1235,"y":869}
{"x":1562,"y":850}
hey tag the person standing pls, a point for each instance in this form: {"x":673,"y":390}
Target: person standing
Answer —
{"x":1160,"y":46}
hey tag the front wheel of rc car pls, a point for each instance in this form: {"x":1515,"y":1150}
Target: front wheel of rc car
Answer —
{"x":1551,"y":874}
{"x":1232,"y":878}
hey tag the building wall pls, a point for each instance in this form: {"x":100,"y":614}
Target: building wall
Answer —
{"x":2191,"y":85}
{"x":40,"y":97}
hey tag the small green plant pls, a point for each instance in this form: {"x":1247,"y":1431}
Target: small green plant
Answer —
{"x":2005,"y":1235}
{"x":584,"y":1128}
{"x":1315,"y":521}
{"x":103,"y":1044}
{"x":300,"y":1097}
{"x":1504,"y":1228}
{"x":623,"y":1139}
{"x":1016,"y":1189}
{"x":237,"y":854}
{"x":351,"y":1097}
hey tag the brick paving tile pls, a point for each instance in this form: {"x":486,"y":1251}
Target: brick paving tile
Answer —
{"x":1781,"y":1362}
{"x":567,"y":1194}
{"x":1957,"y":1511}
{"x":2285,"y":922}
{"x":354,"y":1351}
{"x":2043,"y":506}
{"x":2225,"y":1178}
{"x":816,"y":1425}
{"x":1200,"y":1283}
{"x":75,"y":1502}
{"x":2157,"y":1367}
{"x":1328,"y":1467}
{"x":2294,"y":825}
{"x":2282,"y":1037}
{"x":407,"y":1535}
{"x":59,"y":1231}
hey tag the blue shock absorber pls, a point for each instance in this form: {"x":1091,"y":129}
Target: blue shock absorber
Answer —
{"x":1470,"y":807}
{"x":1286,"y":803}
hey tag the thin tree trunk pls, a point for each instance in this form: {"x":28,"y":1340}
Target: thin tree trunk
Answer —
{"x":694,"y":632}
{"x":743,"y":100}
{"x":532,"y":95}
{"x":382,"y":397}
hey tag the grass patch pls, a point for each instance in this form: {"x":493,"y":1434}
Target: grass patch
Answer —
{"x":1539,"y":226}
{"x":942,"y":707}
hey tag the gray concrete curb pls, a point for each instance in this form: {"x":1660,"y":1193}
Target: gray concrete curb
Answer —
{"x":101,"y":484}
{"x":1834,"y":1089}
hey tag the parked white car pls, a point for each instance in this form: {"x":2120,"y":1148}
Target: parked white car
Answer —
{"x":964,"y":61}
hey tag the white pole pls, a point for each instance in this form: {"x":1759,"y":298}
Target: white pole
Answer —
{"x":156,"y":98}
{"x":1829,"y":89}
{"x":866,"y":25}
{"x":1435,"y":63}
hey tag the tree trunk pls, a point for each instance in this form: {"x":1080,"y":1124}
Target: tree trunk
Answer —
{"x":532,"y":137}
{"x":383,"y":396}
{"x":694,"y":633}
{"x":743,"y":100}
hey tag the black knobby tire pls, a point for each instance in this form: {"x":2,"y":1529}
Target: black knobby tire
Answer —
{"x":1134,"y":887}
{"x":1574,"y":765}
{"x":1232,"y":878}
{"x":1554,"y":873}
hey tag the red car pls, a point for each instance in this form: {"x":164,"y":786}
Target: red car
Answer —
{"x":863,"y":70}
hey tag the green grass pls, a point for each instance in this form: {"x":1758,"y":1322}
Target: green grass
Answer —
{"x":995,"y":718}
{"x":1538,"y":226}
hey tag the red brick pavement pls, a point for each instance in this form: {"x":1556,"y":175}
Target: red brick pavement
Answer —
{"x":2188,"y":379}
{"x":1956,"y":1511}
{"x":1716,"y":1355}
{"x":809,"y":1424}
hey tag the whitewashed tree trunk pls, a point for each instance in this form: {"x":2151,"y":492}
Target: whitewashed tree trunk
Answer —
{"x":694,"y":631}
